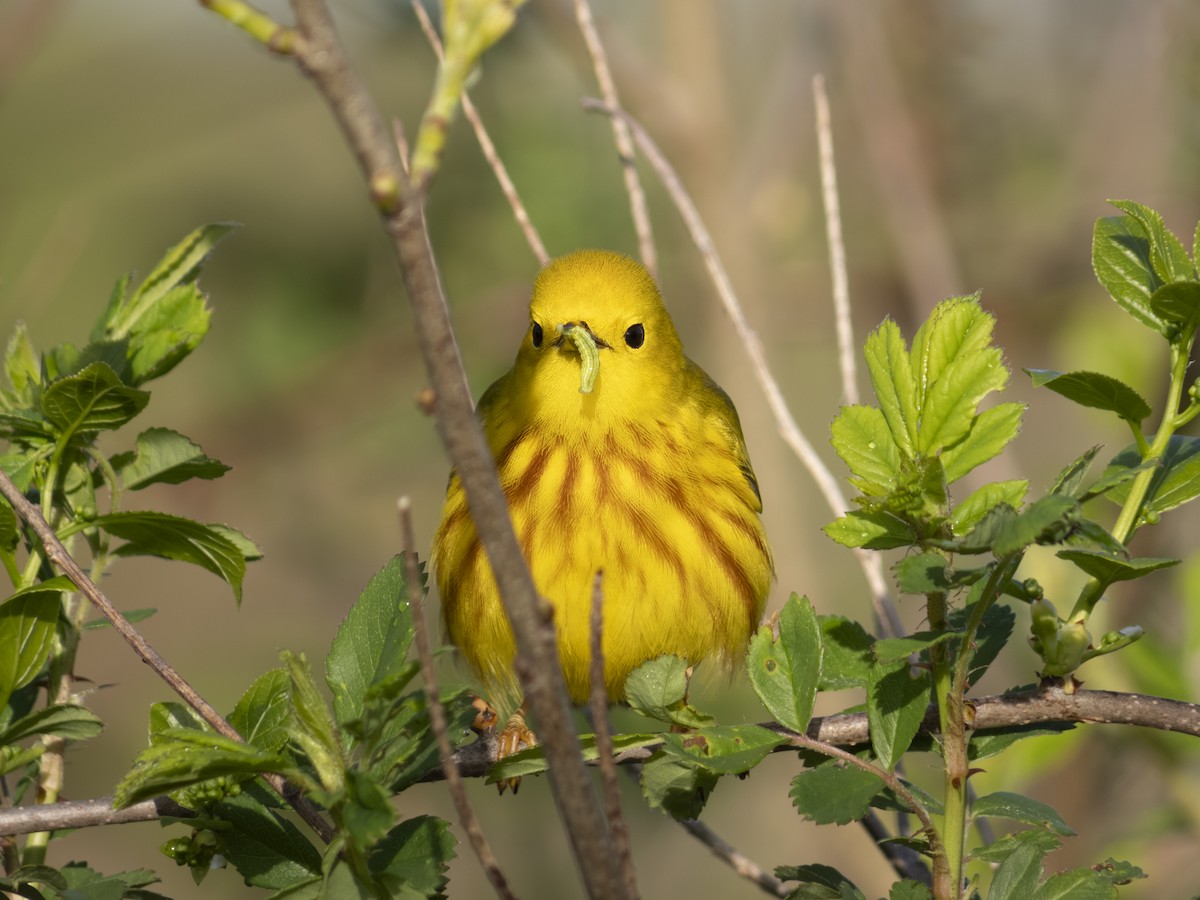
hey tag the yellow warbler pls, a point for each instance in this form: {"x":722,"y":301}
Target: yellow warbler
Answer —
{"x":616,"y":453}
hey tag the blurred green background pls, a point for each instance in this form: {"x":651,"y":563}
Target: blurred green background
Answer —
{"x":976,"y":144}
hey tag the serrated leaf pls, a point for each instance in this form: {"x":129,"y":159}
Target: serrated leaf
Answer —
{"x":1118,"y":871}
{"x":923,"y":573}
{"x":723,"y":749}
{"x":994,"y":630}
{"x":372,"y":642}
{"x":818,"y":882}
{"x":21,"y":365}
{"x":988,"y":743}
{"x":971,"y":510}
{"x":834,"y":793}
{"x":1168,"y":258}
{"x":891,"y":650}
{"x":657,"y":688}
{"x":166,"y":333}
{"x":63,"y":720}
{"x":417,"y":853}
{"x":27,"y":622}
{"x":1001,"y":849}
{"x":174,"y":537}
{"x":785,"y":672}
{"x":93,"y":399}
{"x":185,"y":756}
{"x":1094,"y":390}
{"x":871,"y":530}
{"x":1178,"y":303}
{"x":132,"y":616}
{"x":952,"y":402}
{"x":896,"y":703}
{"x":678,"y":787}
{"x":990,"y":432}
{"x":1070,"y":479}
{"x":1176,"y":482}
{"x":1076,"y":884}
{"x":267,"y":850}
{"x":179,"y":266}
{"x":862,"y":438}
{"x":909,"y":890}
{"x":366,"y":814}
{"x":955,"y":328}
{"x":1018,"y":875}
{"x":1045,"y":521}
{"x":262,"y":714}
{"x":1019,"y":808}
{"x":890,"y":368}
{"x":1121,"y":260}
{"x":167,"y":457}
{"x":1109,"y":569}
{"x":312,"y":725}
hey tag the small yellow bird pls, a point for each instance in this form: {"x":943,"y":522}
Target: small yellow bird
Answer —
{"x":616,"y":453}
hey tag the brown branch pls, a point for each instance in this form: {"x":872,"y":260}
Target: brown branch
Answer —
{"x":598,"y":705}
{"x":437,"y":712}
{"x":86,"y":814}
{"x":57,"y":554}
{"x":621,"y":136}
{"x":322,"y":57}
{"x":735,"y":859}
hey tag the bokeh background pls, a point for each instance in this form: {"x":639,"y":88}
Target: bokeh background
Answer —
{"x":976,"y":144}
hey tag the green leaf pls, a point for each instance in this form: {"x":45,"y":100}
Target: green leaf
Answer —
{"x":27,"y":622}
{"x":1121,"y":259}
{"x":1045,"y":521}
{"x":971,"y":510}
{"x":1108,"y":569}
{"x":993,"y":633}
{"x":366,"y":813}
{"x":785,"y":672}
{"x":895,"y":387}
{"x":957,"y":327}
{"x":846,"y":653}
{"x":313,"y":727}
{"x":1094,"y":390}
{"x":93,"y":399}
{"x":1007,"y":805}
{"x":871,"y":530}
{"x":167,"y":457}
{"x":891,"y":650}
{"x":417,"y":853}
{"x":1000,"y":850}
{"x":909,"y":890}
{"x":1176,"y":482}
{"x":952,"y":401}
{"x":989,"y":433}
{"x":1018,"y":875}
{"x":990,"y":743}
{"x":132,"y":616}
{"x":861,"y":437}
{"x":166,"y":333}
{"x":21,"y":365}
{"x":1076,"y":884}
{"x":923,"y":573}
{"x":678,"y":787}
{"x":1168,"y":258}
{"x":185,"y":756}
{"x":896,"y":704}
{"x":1070,"y":479}
{"x":1178,"y":303}
{"x":819,"y":882}
{"x":262,"y":714}
{"x":267,"y":850}
{"x":174,"y":537}
{"x":1118,"y":871}
{"x":834,"y":793}
{"x":63,"y":720}
{"x":657,"y":689}
{"x":372,"y":642}
{"x":179,"y":266}
{"x":723,"y":749}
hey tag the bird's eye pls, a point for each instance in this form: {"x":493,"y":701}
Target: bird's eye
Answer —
{"x":635,"y":336}
{"x":536,"y":334}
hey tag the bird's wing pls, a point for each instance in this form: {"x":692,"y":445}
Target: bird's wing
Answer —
{"x":721,"y":416}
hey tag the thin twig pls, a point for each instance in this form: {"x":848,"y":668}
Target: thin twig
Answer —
{"x":738,"y":861}
{"x":785,"y":421}
{"x":598,"y":701}
{"x":905,"y":861}
{"x":323,"y":58}
{"x":471,"y":114}
{"x":57,"y":554}
{"x":886,"y":616}
{"x":621,"y":137}
{"x":437,"y":712}
{"x":87,"y":814}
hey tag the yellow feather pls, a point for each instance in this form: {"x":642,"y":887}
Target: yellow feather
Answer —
{"x":645,"y":477}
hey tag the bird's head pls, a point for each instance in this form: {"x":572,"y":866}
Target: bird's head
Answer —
{"x":600,"y":342}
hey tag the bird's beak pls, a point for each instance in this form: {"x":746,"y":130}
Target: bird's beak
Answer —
{"x":577,"y":336}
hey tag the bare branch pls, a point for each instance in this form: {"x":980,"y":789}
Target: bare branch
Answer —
{"x":471,"y":114}
{"x":738,"y":861}
{"x":608,"y":90}
{"x":437,"y":712}
{"x":57,"y":554}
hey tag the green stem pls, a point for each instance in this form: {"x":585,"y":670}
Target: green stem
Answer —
{"x":1127,"y":521}
{"x":954,"y":755}
{"x":255,"y":23}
